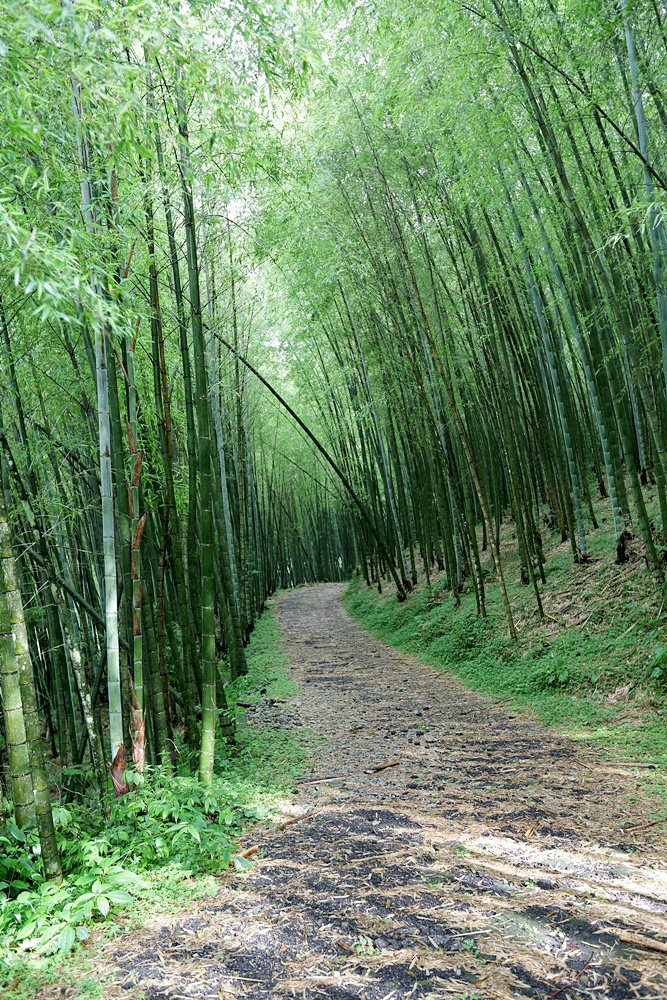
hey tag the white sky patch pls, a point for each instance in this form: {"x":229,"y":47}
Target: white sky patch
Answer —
{"x":237,"y":208}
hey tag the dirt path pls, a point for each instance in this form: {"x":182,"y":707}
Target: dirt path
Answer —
{"x":488,"y":863}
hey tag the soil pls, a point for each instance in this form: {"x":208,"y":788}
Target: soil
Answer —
{"x":488,"y":861}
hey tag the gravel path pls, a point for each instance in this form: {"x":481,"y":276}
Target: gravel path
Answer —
{"x":485,"y":860}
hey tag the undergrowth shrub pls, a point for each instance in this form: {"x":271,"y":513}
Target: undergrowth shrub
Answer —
{"x":166,"y":820}
{"x":159,"y":843}
{"x":459,"y":637}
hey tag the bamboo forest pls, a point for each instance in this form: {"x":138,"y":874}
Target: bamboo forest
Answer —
{"x":333,"y":501}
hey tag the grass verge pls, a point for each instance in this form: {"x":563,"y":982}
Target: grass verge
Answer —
{"x":594,"y":667}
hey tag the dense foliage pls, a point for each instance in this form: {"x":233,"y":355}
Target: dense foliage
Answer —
{"x":288,"y":289}
{"x":159,"y":845}
{"x":481,"y":199}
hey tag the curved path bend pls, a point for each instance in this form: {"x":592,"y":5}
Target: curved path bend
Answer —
{"x":487,"y":862}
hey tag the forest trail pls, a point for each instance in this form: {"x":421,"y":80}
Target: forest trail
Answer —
{"x":489,"y":862}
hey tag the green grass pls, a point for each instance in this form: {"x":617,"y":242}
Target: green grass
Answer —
{"x":572,"y":676}
{"x":268,"y":665}
{"x":162,"y":847}
{"x":265,"y":760}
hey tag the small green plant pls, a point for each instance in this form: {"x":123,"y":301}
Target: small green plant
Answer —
{"x":659,"y":668}
{"x":364,"y":946}
{"x":557,"y":676}
{"x":470,"y":945}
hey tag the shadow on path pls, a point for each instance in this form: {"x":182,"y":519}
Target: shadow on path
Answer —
{"x":487,"y":862}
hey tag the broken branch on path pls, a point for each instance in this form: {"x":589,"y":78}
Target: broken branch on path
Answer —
{"x":298,"y":819}
{"x":345,"y":947}
{"x":340,"y":777}
{"x":382,"y":767}
{"x":318,"y":781}
{"x":468,"y":933}
{"x":249,"y":851}
{"x":639,"y":941}
{"x":643,"y":826}
{"x":571,"y":982}
{"x":582,"y":763}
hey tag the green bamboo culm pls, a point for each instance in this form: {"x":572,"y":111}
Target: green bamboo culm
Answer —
{"x":12,"y":703}
{"x":207,"y":575}
{"x":101,"y":360}
{"x":17,"y":664}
